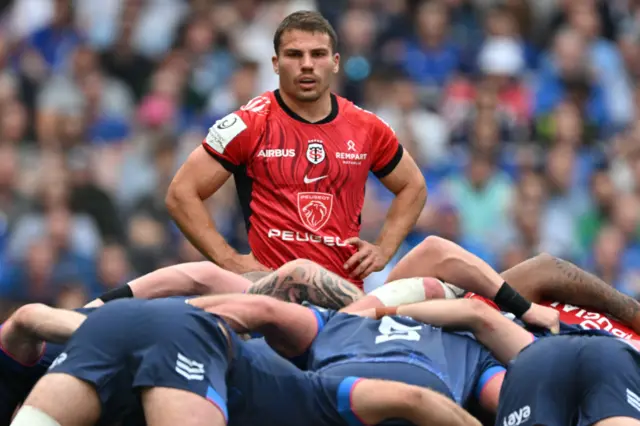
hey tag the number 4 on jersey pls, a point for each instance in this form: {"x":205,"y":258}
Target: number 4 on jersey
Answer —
{"x":390,"y":329}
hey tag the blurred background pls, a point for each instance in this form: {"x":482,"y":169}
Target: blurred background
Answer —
{"x":523,"y":116}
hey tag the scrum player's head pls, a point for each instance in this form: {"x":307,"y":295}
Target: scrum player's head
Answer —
{"x":306,"y":56}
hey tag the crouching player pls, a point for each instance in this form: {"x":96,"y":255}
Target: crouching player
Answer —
{"x":184,"y":361}
{"x":341,"y":344}
{"x":579,"y":377}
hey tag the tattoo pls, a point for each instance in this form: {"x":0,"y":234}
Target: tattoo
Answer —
{"x":301,"y":281}
{"x":556,"y":279}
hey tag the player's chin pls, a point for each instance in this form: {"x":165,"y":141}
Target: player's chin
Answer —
{"x":308,"y":95}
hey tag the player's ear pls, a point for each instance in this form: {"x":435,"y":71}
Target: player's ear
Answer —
{"x":336,"y":63}
{"x":274,"y":62}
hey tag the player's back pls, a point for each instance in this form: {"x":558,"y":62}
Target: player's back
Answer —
{"x":264,"y":388}
{"x":371,"y":347}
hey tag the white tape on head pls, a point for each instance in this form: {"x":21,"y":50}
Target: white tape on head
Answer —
{"x":31,"y":416}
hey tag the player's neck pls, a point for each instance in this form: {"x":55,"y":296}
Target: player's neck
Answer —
{"x":312,"y":112}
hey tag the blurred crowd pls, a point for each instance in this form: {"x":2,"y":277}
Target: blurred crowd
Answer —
{"x":522,"y":115}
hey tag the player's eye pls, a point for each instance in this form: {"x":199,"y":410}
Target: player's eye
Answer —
{"x":319,"y":53}
{"x":294,"y":53}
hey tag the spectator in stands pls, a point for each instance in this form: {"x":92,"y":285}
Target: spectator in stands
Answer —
{"x":603,"y":196}
{"x":482,"y":196}
{"x":565,"y":75}
{"x":431,"y":59}
{"x":606,"y":62}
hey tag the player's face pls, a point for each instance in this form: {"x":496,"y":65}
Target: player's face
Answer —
{"x":306,"y":64}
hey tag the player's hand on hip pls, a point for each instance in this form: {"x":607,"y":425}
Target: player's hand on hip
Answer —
{"x":369,"y":258}
{"x":544,"y":317}
{"x":243,"y":263}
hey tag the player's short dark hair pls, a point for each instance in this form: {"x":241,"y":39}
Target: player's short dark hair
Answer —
{"x":308,"y":21}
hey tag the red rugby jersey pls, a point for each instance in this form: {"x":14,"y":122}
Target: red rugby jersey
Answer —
{"x":301,"y":184}
{"x":576,"y":315}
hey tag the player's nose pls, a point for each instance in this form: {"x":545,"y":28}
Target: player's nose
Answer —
{"x":307,"y":62}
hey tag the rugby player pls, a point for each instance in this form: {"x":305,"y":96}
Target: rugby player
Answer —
{"x":580,"y":377}
{"x":188,"y":363}
{"x":393,"y":348}
{"x":300,"y":157}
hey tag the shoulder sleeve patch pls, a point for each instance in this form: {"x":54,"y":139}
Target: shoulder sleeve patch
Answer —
{"x":224,"y":131}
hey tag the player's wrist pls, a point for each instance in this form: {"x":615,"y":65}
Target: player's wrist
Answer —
{"x":122,"y":292}
{"x":386,"y":251}
{"x":510,"y":300}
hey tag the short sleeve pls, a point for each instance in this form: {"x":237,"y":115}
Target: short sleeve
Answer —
{"x":489,"y":368}
{"x":322,"y":316}
{"x":387,"y":151}
{"x":230,"y":139}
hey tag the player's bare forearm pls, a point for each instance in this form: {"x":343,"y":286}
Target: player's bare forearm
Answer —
{"x":546,"y":277}
{"x":504,"y":338}
{"x":289,"y":328}
{"x":191,"y":216}
{"x":42,"y":322}
{"x":407,"y":183}
{"x":197,"y":180}
{"x":303,"y":280}
{"x":401,"y":217}
{"x":185,"y":279}
{"x":444,"y":259}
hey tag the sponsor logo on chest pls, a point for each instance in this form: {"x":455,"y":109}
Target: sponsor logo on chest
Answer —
{"x":277,"y":153}
{"x":314,"y":209}
{"x":351,"y":155}
{"x":315,"y":151}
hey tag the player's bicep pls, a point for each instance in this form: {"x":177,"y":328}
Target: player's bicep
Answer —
{"x":200,"y":174}
{"x":488,"y":388}
{"x":293,"y":329}
{"x":230,"y":140}
{"x":405,"y":173}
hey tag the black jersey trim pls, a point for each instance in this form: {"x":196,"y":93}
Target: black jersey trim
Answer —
{"x":329,"y":118}
{"x":391,"y":165}
{"x":228,"y":165}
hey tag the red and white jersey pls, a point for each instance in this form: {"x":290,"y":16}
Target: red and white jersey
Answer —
{"x":586,"y":318}
{"x":301,"y":184}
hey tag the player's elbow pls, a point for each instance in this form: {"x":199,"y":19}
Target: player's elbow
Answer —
{"x":25,"y":317}
{"x":416,"y":188}
{"x":481,"y":314}
{"x":172,"y":199}
{"x":421,"y":190}
{"x":178,"y":193}
{"x":439,"y":251}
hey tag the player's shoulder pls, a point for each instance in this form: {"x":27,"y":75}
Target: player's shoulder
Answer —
{"x":360,"y":116}
{"x":247,"y":122}
{"x":259,"y":107}
{"x":250,"y":115}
